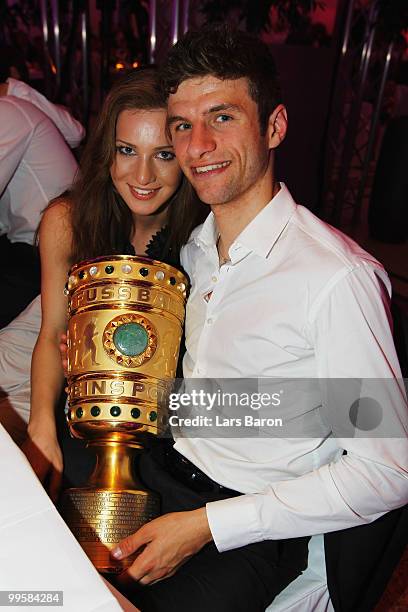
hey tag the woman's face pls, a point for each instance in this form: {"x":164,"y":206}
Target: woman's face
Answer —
{"x":145,"y":171}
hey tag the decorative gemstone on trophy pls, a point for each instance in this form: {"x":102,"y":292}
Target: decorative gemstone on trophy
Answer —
{"x":131,"y":339}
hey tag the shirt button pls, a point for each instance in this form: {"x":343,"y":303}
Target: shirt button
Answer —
{"x":214,"y":279}
{"x":210,"y":321}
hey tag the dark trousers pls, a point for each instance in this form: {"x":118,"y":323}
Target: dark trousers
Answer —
{"x":360,"y":560}
{"x":246,"y":579}
{"x":20,"y":278}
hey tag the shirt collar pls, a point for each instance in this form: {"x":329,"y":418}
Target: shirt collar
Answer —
{"x":208,"y":235}
{"x":260,"y":235}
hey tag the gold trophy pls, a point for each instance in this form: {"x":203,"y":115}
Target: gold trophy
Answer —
{"x":125,"y":324}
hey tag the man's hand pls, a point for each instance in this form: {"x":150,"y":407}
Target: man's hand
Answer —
{"x":166,"y":543}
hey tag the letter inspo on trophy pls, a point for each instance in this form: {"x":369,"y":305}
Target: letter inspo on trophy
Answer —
{"x":125,"y":324}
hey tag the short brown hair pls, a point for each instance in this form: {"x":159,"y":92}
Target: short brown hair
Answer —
{"x":226,"y":54}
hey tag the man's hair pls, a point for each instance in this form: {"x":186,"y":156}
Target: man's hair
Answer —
{"x":226,"y":54}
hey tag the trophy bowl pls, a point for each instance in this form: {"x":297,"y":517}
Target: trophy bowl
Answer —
{"x":126,"y":317}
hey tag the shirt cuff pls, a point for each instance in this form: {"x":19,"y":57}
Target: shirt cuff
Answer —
{"x":234,"y":522}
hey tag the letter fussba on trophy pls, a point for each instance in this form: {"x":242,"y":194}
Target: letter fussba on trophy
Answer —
{"x":125,"y":324}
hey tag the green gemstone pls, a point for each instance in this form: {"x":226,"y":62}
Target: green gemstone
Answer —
{"x":109,"y":269}
{"x":79,"y":412}
{"x":95,"y":411}
{"x":135,"y":412}
{"x":153,"y":415}
{"x":131,"y":339}
{"x":115,"y":411}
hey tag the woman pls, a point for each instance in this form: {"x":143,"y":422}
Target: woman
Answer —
{"x":130,"y":197}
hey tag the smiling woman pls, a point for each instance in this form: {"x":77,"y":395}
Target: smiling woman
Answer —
{"x":130,"y":197}
{"x":129,"y":154}
{"x":144,"y":172}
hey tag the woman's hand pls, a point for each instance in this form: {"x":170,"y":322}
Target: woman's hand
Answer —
{"x":63,"y":347}
{"x":44,"y":454}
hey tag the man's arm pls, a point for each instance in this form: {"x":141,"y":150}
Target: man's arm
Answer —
{"x":351,"y":333}
{"x":15,"y":134}
{"x":71,"y":129}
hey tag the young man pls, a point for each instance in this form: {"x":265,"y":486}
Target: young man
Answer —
{"x":275,"y":293}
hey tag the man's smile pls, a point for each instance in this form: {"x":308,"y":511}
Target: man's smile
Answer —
{"x":214,"y":168}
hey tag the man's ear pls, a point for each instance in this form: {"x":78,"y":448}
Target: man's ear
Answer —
{"x":277,"y":126}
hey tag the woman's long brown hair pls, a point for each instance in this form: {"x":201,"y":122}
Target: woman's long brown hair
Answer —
{"x":101,"y":221}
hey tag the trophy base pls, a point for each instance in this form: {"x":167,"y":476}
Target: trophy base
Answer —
{"x":101,"y":518}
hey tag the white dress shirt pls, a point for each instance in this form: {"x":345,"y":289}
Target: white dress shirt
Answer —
{"x":71,"y":129}
{"x":36,"y":164}
{"x":298,"y":300}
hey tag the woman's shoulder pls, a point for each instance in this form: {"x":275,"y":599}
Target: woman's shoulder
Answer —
{"x":55,"y":228}
{"x":57,"y":213}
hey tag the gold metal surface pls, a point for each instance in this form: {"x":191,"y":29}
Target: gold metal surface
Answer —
{"x":125,"y":325}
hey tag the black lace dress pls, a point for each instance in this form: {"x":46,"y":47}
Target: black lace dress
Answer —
{"x":156,"y":249}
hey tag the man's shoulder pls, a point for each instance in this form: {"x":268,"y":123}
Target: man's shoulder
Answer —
{"x":328,"y":258}
{"x":16,"y":109}
{"x":328,"y":245}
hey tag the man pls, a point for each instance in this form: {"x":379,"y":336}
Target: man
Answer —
{"x":275,"y":293}
{"x":36,"y":165}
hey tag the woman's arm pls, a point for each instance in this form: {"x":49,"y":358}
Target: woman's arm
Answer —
{"x":42,"y":448}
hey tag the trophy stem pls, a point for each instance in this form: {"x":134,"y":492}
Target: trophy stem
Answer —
{"x":111,"y":506}
{"x":114,"y":467}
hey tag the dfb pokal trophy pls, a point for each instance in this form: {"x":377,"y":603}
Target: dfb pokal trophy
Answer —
{"x":125,"y":324}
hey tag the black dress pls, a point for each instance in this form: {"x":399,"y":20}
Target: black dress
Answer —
{"x":157,"y":249}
